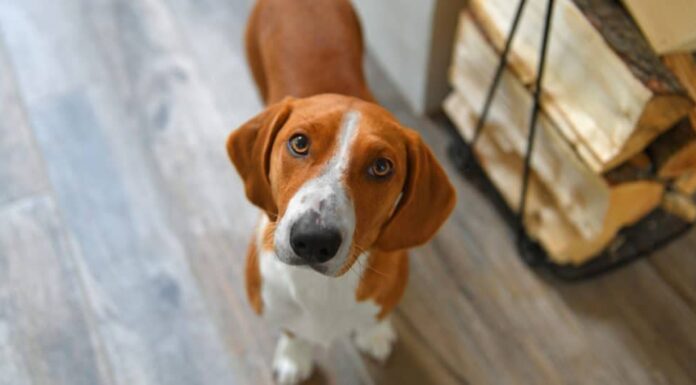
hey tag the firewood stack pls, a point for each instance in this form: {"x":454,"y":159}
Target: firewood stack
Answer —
{"x":616,"y":136}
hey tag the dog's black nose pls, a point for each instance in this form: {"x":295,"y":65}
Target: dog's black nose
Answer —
{"x":312,"y":241}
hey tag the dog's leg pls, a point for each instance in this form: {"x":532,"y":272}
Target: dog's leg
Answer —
{"x":377,"y":340}
{"x":292,"y":362}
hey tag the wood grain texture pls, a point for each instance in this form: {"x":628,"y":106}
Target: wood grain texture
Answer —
{"x":46,"y":334}
{"x":149,"y":311}
{"x":677,"y":270}
{"x":21,"y":173}
{"x":181,"y":134}
{"x":45,"y":322}
{"x":130,"y":102}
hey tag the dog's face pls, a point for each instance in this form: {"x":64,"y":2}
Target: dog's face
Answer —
{"x":337,"y":176}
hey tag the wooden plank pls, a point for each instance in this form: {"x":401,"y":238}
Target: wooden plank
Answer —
{"x":21,"y":173}
{"x":149,"y":310}
{"x":46,"y":329}
{"x":213,"y":31}
{"x":180,"y":129}
{"x":633,"y":309}
{"x":609,"y":110}
{"x":676,"y":265}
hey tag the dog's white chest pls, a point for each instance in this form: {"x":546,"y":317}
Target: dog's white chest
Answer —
{"x":310,"y":305}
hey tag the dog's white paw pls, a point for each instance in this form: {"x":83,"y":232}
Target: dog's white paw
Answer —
{"x":292,"y":362}
{"x":377,"y":341}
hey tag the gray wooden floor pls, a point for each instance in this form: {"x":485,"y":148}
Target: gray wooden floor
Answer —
{"x":123,"y":229}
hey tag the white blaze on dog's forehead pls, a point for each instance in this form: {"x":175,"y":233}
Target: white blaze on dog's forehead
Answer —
{"x":347,"y":133}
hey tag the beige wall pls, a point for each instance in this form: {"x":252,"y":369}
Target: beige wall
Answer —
{"x":412,"y":41}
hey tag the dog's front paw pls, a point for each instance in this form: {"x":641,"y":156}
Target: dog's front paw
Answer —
{"x":292,"y":362}
{"x":377,"y":341}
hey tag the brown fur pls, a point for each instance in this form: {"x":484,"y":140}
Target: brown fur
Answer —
{"x":305,"y":47}
{"x":253,"y":278}
{"x":306,"y":57}
{"x":384,"y":279}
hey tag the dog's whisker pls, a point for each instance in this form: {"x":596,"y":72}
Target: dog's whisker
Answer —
{"x":366,"y":266}
{"x":378,"y":272}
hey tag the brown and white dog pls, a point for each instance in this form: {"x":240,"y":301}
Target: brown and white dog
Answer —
{"x":345,"y":189}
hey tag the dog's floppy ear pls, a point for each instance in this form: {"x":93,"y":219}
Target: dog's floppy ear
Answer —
{"x":249,"y":148}
{"x":428,"y":199}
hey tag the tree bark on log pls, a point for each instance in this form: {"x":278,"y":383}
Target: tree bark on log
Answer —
{"x":639,"y":167}
{"x":674,"y":152}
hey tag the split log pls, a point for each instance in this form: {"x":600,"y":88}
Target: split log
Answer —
{"x":544,"y":219}
{"x":686,"y":184}
{"x":604,"y":87}
{"x":674,"y":152}
{"x":669,"y":26}
{"x":578,"y":191}
{"x":680,"y":205}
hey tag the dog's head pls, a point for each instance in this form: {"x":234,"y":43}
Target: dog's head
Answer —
{"x":337,"y":176}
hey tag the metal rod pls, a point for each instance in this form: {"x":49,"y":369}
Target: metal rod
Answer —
{"x":533,"y":118}
{"x":498,"y":75}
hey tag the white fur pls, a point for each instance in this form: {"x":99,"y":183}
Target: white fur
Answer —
{"x":312,"y":306}
{"x":327,"y":195}
{"x":377,"y":340}
{"x":292,"y":362}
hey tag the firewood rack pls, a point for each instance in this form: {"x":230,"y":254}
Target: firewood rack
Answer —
{"x":629,"y":244}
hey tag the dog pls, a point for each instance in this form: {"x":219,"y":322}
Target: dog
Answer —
{"x":343,"y":187}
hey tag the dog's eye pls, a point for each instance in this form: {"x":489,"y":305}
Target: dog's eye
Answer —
{"x":381,"y":168}
{"x":299,"y":145}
